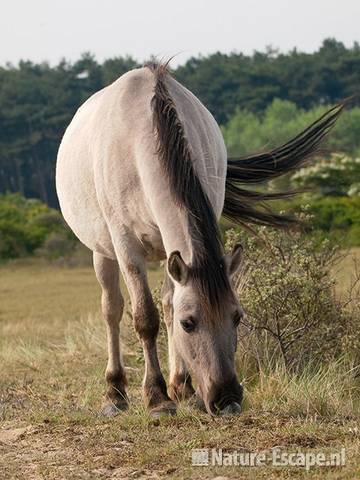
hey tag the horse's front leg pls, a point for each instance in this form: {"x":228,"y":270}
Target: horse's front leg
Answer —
{"x":146,"y":320}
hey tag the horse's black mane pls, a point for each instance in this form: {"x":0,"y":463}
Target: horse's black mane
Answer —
{"x":207,"y":269}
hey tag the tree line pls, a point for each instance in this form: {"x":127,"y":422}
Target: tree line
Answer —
{"x":37,"y":101}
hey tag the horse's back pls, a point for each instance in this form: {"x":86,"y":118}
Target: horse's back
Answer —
{"x":108,"y":172}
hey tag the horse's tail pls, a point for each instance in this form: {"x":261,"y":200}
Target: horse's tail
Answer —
{"x":245,"y":206}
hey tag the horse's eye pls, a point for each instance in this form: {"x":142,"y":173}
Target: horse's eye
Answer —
{"x":188,"y":324}
{"x":237,"y":318}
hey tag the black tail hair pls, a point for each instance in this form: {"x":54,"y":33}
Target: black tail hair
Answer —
{"x":244,"y":206}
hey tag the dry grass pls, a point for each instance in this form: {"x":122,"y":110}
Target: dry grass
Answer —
{"x":344,"y":271}
{"x":52,"y":357}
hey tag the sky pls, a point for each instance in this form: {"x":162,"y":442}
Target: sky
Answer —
{"x":49,"y":30}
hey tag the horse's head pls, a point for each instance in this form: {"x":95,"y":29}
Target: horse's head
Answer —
{"x":205,"y":336}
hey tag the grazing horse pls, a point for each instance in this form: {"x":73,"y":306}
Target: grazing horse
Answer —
{"x":142,"y":174}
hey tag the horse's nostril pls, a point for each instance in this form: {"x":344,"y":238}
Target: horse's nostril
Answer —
{"x":213,"y":408}
{"x":225,"y":398}
{"x":232,"y":408}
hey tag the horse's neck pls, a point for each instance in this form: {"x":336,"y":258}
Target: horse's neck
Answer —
{"x":170,"y":218}
{"x":173,"y":225}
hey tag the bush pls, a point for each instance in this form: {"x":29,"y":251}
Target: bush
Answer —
{"x":56,"y":245}
{"x":336,"y":175}
{"x":293,"y":315}
{"x":25,"y":224}
{"x":337,"y":218}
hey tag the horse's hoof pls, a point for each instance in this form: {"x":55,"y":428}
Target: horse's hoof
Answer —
{"x":167,"y":409}
{"x":232,"y":409}
{"x":112,"y":409}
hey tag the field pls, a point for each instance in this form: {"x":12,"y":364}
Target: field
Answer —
{"x":52,"y":360}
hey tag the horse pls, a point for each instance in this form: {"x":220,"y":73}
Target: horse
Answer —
{"x":142,"y":175}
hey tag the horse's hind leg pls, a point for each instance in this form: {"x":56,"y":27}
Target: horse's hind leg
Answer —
{"x":180,"y":386}
{"x":112,"y":303}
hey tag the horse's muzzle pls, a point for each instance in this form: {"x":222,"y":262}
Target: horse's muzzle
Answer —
{"x":225,"y":399}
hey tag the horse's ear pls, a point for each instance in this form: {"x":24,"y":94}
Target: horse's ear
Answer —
{"x":177,"y":268}
{"x":234,"y":259}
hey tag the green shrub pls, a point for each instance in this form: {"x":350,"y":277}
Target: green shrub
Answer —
{"x":293,"y":316}
{"x":334,"y":218}
{"x":337,"y":218}
{"x":56,"y":245}
{"x":25,"y":224}
{"x":335,"y":175}
{"x":338,"y":213}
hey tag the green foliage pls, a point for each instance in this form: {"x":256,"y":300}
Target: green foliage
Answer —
{"x":346,"y":136}
{"x":227,"y":82}
{"x":338,"y":217}
{"x":292,"y":313}
{"x":335,"y":175}
{"x":282,"y":120}
{"x":25,"y":224}
{"x":335,"y":218}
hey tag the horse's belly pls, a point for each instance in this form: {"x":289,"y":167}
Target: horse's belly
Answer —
{"x":78,"y":201}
